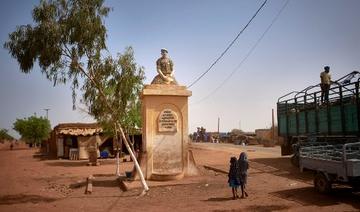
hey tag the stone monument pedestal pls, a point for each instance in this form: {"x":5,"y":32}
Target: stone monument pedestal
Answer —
{"x":165,"y":132}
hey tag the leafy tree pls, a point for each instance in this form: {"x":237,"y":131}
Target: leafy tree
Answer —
{"x":34,"y":129}
{"x":122,"y":80}
{"x":236,"y":132}
{"x":4,"y":135}
{"x":68,"y":41}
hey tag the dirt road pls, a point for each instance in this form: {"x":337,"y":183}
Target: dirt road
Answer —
{"x":31,"y":183}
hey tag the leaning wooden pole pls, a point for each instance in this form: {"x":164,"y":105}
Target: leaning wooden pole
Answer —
{"x":132,"y":155}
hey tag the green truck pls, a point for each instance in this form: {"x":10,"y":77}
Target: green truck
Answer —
{"x":303,"y":119}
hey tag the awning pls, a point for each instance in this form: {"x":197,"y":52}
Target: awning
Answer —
{"x":80,"y":131}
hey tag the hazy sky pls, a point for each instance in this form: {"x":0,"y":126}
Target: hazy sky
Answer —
{"x":308,"y":35}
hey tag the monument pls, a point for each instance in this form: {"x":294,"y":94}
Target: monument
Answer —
{"x":165,"y":69}
{"x":165,"y":125}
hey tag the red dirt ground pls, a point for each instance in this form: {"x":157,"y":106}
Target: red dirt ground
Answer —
{"x":29,"y":182}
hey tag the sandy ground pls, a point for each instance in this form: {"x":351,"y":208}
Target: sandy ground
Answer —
{"x":29,"y":182}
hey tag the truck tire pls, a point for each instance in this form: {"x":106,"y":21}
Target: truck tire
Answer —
{"x":322,"y":183}
{"x":295,"y":160}
{"x":356,"y":186}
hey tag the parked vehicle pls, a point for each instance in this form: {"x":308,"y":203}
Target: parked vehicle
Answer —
{"x":303,"y":118}
{"x":332,"y":163}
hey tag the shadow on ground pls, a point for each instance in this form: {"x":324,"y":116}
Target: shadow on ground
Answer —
{"x":266,"y":208}
{"x":106,"y":183}
{"x":67,"y":163}
{"x":280,"y":167}
{"x":308,"y":196}
{"x":219,"y":199}
{"x":22,"y":198}
{"x":76,"y":163}
{"x":258,"y":208}
{"x":96,"y":183}
{"x":77,"y":185}
{"x":15,"y":149}
{"x":42,"y":157}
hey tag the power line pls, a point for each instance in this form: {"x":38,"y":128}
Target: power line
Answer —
{"x":247,"y":55}
{"x":229,"y":46}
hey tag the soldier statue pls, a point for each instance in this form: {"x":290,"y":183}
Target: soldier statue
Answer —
{"x":164,"y":67}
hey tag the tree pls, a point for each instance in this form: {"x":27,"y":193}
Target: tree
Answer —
{"x":4,"y":135}
{"x":68,"y":42}
{"x":236,"y":132}
{"x":34,"y":129}
{"x":122,"y":80}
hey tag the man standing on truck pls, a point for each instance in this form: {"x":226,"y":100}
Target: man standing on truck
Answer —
{"x":325,"y":84}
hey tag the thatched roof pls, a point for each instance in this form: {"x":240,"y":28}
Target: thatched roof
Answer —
{"x":76,"y":129}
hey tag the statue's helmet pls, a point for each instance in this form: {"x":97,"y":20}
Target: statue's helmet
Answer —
{"x":164,"y":50}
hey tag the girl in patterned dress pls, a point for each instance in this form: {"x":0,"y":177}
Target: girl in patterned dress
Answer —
{"x":243,"y":167}
{"x":234,"y":177}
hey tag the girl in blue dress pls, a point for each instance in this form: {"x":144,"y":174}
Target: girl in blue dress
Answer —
{"x":234,"y":177}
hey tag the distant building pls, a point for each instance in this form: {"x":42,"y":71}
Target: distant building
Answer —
{"x":263,"y":133}
{"x":266,"y":133}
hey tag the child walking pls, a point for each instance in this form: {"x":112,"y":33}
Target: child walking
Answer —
{"x":243,"y":167}
{"x":234,"y":177}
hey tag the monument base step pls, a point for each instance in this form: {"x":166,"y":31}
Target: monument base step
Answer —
{"x":165,"y":177}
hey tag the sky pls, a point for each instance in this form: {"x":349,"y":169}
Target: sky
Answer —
{"x":307,"y":35}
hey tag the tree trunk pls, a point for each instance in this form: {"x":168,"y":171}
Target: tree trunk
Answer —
{"x":117,"y":155}
{"x":131,"y":142}
{"x":133,"y":146}
{"x":137,"y":166}
{"x":117,"y":164}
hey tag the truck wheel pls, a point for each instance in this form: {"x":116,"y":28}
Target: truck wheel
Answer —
{"x":295,"y":160}
{"x":356,"y":186}
{"x":321,"y":183}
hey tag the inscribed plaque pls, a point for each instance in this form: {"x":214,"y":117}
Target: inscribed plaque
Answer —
{"x":167,"y":121}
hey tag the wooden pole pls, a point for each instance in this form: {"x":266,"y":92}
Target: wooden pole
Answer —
{"x":137,"y":166}
{"x":273,"y":126}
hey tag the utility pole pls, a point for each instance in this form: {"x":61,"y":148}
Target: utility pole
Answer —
{"x":219,"y":125}
{"x":273,"y":126}
{"x":47,"y":113}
